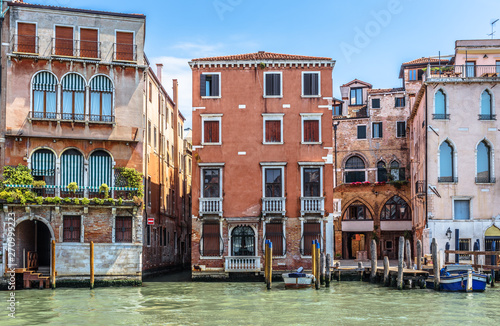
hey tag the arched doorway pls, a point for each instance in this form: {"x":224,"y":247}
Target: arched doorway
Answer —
{"x":491,"y":235}
{"x":33,"y":239}
{"x":243,"y":241}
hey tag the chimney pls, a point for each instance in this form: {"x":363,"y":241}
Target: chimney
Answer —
{"x":159,"y":67}
{"x":175,"y":91}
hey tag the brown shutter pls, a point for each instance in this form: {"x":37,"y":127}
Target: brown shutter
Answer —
{"x":211,"y":240}
{"x":124,"y":46}
{"x":64,"y":41}
{"x":26,"y":38}
{"x":211,"y":132}
{"x":89,"y":45}
{"x":274,"y":233}
{"x":311,"y":232}
{"x":311,"y":130}
{"x":118,"y":229}
{"x":273,"y":131}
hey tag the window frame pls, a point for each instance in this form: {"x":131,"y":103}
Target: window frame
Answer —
{"x":202,"y":244}
{"x":273,"y":167}
{"x":461,"y":198}
{"x":220,"y":84}
{"x":381,"y":134}
{"x":54,"y":46}
{"x":309,"y":117}
{"x":379,"y":103}
{"x":397,"y":130}
{"x":134,"y":51}
{"x":283,"y":236}
{"x":80,"y":227}
{"x":73,"y":100}
{"x":280,"y":73}
{"x":98,"y":50}
{"x":302,"y":235}
{"x":350,"y":96}
{"x":454,"y":167}
{"x":399,"y":100}
{"x":131,"y":230}
{"x":311,"y":166}
{"x":272,"y":117}
{"x":37,"y":46}
{"x":211,"y":117}
{"x":211,"y":166}
{"x":318,"y":73}
{"x":102,"y":117}
{"x":345,"y":170}
{"x":357,"y":132}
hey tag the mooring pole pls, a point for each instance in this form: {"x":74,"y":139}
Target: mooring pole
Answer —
{"x":419,"y":255}
{"x":91,"y":265}
{"x":400,"y":262}
{"x":493,"y":262}
{"x":265,"y":261}
{"x":53,"y":271}
{"x":408,"y":255}
{"x":328,"y":267}
{"x":387,"y":281}
{"x":435,"y":262}
{"x":322,"y":267}
{"x":373,"y":253}
{"x":313,"y":258}
{"x":317,"y":256}
{"x":270,"y":265}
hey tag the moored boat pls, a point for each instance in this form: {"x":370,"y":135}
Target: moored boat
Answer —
{"x":456,"y":278}
{"x":297,"y":280}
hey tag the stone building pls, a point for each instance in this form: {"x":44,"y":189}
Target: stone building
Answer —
{"x":454,"y":133}
{"x":72,"y":93}
{"x":262,"y":155}
{"x":371,"y":192}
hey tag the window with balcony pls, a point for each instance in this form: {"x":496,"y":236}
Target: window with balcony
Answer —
{"x":484,"y":168}
{"x":440,"y":108}
{"x":211,"y":244}
{"x":43,"y":87}
{"x":274,"y":183}
{"x":381,"y":172}
{"x":401,"y":129}
{"x":63,"y":42}
{"x":356,"y":96}
{"x":375,"y":103}
{"x":211,"y":183}
{"x":395,"y":208}
{"x":71,"y":171}
{"x":397,"y":172}
{"x":124,"y":46}
{"x":311,"y":178}
{"x":377,"y":130}
{"x":71,"y":228}
{"x":461,"y":209}
{"x":210,"y":85}
{"x":89,"y":43}
{"x":274,"y":233}
{"x":400,"y":102}
{"x":272,"y":84}
{"x":354,"y":170}
{"x":486,"y":106}
{"x":73,"y":97}
{"x":123,"y":229}
{"x":357,"y":211}
{"x":101,"y":99}
{"x":311,"y":84}
{"x":243,"y":241}
{"x":470,"y":69}
{"x":446,"y":163}
{"x":100,"y":171}
{"x":27,"y":40}
{"x":310,"y":231}
{"x":361,"y":134}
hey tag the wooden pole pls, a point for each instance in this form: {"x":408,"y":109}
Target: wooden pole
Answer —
{"x":387,"y":281}
{"x":408,"y":255}
{"x":328,"y":275}
{"x":313,"y":258}
{"x":419,"y":255}
{"x":270,"y":265}
{"x":91,"y":264}
{"x":400,"y":262}
{"x":373,"y":253}
{"x":53,"y":271}
{"x":435,"y":262}
{"x":317,"y":256}
{"x":322,"y":268}
{"x":265,"y":261}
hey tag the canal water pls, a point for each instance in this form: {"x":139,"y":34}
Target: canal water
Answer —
{"x":194,"y":303}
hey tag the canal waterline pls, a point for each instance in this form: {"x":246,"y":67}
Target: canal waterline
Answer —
{"x":217,"y":303}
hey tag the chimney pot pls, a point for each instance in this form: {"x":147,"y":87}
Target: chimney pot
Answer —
{"x":159,"y":67}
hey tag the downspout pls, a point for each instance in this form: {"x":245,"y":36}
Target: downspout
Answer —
{"x":2,"y":88}
{"x":426,"y":163}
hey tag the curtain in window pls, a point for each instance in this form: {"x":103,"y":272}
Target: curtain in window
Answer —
{"x":100,"y":168}
{"x":80,"y":106}
{"x":101,"y":98}
{"x":44,"y":92}
{"x":106,"y":106}
{"x":485,"y":103}
{"x":95,"y":106}
{"x":440,"y":103}
{"x":71,"y":168}
{"x":43,"y":163}
{"x":50,"y":105}
{"x":38,"y":103}
{"x":445,"y":160}
{"x":242,"y":241}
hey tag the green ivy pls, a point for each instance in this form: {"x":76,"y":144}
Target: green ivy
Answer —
{"x":133,"y":178}
{"x":19,"y":175}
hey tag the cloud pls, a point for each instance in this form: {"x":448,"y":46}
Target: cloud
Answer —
{"x":177,"y":68}
{"x":198,"y":49}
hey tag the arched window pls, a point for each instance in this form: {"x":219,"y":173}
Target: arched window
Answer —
{"x":446,"y":168}
{"x":43,"y":167}
{"x":486,"y":106}
{"x":440,"y":106}
{"x":381,"y":172}
{"x":395,"y":208}
{"x":397,"y":173}
{"x":44,"y":86}
{"x":354,"y":170}
{"x":71,"y":171}
{"x":101,"y":99}
{"x":357,"y":211}
{"x":73,"y":97}
{"x":243,"y":241}
{"x":100,"y":168}
{"x":484,"y":170}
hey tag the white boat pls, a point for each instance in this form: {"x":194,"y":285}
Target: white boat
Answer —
{"x":297,"y":280}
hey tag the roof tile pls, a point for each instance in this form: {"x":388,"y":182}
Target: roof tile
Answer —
{"x":261,"y":55}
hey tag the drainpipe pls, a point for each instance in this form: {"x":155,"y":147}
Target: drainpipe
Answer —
{"x":2,"y":15}
{"x":335,"y":125}
{"x":426,"y":163}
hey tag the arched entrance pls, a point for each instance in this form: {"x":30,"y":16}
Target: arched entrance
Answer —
{"x":243,"y":241}
{"x":33,"y":239}
{"x":491,"y":235}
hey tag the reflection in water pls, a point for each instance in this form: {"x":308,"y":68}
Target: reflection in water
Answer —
{"x":191,"y":303}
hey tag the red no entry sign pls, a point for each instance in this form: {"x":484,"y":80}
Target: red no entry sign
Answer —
{"x":151,"y":220}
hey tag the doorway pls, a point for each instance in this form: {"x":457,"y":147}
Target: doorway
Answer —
{"x":33,"y":245}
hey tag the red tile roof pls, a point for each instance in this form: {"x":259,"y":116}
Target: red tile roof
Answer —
{"x":357,"y":81}
{"x":424,"y":60}
{"x":261,"y":55}
{"x":385,"y":90}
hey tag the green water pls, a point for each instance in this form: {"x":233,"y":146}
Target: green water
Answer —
{"x":190,"y":303}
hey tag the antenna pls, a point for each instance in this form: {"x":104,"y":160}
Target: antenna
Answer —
{"x":493,"y":22}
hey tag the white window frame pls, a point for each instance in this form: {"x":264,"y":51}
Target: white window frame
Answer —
{"x":283,"y":224}
{"x":366,"y":132}
{"x":220,"y":83}
{"x":397,"y":129}
{"x":211,"y":117}
{"x":211,"y":166}
{"x":311,"y":116}
{"x":281,"y":84}
{"x":269,"y":166}
{"x":271,"y":117}
{"x":98,"y":40}
{"x":319,"y":83}
{"x":491,"y":158}
{"x":453,"y":207}
{"x":302,"y":221}
{"x":37,"y":41}
{"x":311,"y":165}
{"x":373,"y":129}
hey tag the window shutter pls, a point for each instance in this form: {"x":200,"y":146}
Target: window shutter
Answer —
{"x":211,"y":132}
{"x":274,"y":232}
{"x":276,"y":84}
{"x":314,"y":85}
{"x":380,"y":129}
{"x":64,"y":41}
{"x":124,"y":46}
{"x":26,"y":38}
{"x":203,"y":85}
{"x":118,"y":229}
{"x":215,"y":86}
{"x":311,"y":232}
{"x":88,"y":43}
{"x":273,"y":131}
{"x":269,"y":84}
{"x":311,"y":131}
{"x":307,"y":84}
{"x":211,"y":240}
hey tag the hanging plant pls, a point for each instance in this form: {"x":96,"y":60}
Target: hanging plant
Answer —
{"x":73,"y":187}
{"x":104,"y":188}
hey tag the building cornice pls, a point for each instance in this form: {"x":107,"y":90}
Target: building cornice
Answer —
{"x":268,"y":64}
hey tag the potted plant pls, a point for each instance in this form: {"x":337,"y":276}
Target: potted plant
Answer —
{"x":104,"y":188}
{"x":73,"y":187}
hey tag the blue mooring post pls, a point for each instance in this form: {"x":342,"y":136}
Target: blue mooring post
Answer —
{"x":318,"y":251}
{"x":270,"y":264}
{"x":457,"y":245}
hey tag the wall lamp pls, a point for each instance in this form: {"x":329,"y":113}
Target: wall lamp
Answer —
{"x":448,"y":234}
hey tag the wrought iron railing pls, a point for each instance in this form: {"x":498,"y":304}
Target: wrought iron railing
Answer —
{"x":79,"y":117}
{"x":273,"y":205}
{"x":24,"y":44}
{"x":211,"y":206}
{"x":64,"y":47}
{"x":124,"y":52}
{"x":447,"y":179}
{"x":463,"y":71}
{"x":81,"y":192}
{"x":486,"y":179}
{"x":487,"y":117}
{"x":242,"y":264}
{"x":89,"y":49}
{"x":312,"y":205}
{"x":439,"y":116}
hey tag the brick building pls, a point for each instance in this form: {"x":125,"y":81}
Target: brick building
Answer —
{"x":72,"y":93}
{"x":371,"y":195}
{"x":262,"y":155}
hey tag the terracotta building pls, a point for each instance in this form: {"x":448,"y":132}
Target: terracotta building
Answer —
{"x":454,"y":134}
{"x":72,"y":93}
{"x":371,"y":192}
{"x":262,"y":155}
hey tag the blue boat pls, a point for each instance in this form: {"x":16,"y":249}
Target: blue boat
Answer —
{"x":458,"y":278}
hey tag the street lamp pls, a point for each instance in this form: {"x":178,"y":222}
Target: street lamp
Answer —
{"x":448,"y":234}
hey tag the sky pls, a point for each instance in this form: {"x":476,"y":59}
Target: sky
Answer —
{"x":369,"y":39}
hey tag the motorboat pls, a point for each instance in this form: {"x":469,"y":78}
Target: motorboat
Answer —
{"x":462,"y":278}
